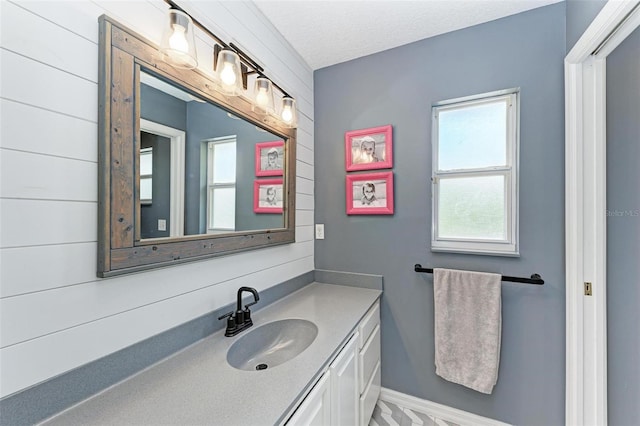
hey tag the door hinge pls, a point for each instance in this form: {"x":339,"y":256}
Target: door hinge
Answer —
{"x":587,"y":289}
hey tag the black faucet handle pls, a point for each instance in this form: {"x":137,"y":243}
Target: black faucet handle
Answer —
{"x":247,"y":311}
{"x":231,"y":320}
{"x":228,"y":314}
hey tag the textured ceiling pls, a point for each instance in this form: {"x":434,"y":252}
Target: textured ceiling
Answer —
{"x":327,"y":32}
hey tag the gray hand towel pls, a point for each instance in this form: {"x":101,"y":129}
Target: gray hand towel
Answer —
{"x":468,"y":326}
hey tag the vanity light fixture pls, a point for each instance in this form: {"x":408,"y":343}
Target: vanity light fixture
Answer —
{"x":178,"y":41}
{"x":228,"y":72}
{"x":288,"y":113}
{"x":231,"y":65}
{"x":263,"y":92}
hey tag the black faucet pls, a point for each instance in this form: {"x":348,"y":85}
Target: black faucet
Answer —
{"x":240,"y":319}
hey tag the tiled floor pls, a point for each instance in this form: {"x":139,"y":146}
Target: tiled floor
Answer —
{"x":389,"y":414}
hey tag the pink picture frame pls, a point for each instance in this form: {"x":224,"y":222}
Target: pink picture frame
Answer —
{"x":370,"y":193}
{"x":369,"y":149}
{"x":268,"y":196}
{"x":269,"y":158}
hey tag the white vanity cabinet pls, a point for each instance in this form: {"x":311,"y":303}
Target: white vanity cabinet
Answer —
{"x":316,"y":407}
{"x":347,"y":392}
{"x":344,"y":385}
{"x":369,"y":363}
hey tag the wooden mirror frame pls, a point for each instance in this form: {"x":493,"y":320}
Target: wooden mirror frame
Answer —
{"x":120,"y":250}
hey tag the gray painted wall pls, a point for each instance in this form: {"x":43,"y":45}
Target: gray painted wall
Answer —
{"x":398,"y":87}
{"x":623,"y":231}
{"x":580,"y":14}
{"x":207,"y":121}
{"x":159,"y":107}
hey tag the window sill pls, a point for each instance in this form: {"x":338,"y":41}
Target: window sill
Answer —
{"x":508,"y":251}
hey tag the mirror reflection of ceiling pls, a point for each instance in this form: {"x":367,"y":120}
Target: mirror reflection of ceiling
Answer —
{"x":216,"y":143}
{"x":167,"y":88}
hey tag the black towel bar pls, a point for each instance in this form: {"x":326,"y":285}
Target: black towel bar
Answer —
{"x":535,"y":278}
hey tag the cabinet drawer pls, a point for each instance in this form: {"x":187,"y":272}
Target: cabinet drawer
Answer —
{"x":370,"y":397}
{"x":369,"y":357}
{"x":368,"y":323}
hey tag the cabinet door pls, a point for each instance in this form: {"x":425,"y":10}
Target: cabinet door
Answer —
{"x":315,"y":410}
{"x":369,"y":357}
{"x":369,"y":397}
{"x":344,"y":385}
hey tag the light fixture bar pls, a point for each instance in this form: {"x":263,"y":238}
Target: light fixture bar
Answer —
{"x":197,"y":23}
{"x":257,"y":67}
{"x":245,"y":59}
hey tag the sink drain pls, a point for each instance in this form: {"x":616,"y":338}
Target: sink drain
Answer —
{"x":261,"y":366}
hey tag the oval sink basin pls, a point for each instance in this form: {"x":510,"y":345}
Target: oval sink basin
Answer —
{"x":271,"y":344}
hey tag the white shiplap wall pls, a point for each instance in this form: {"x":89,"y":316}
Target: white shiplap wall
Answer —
{"x":55,"y":314}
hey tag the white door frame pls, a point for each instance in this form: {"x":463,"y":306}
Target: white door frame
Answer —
{"x":585,"y":211}
{"x":177,"y":137}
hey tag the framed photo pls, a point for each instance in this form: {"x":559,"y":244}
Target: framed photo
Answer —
{"x":269,"y":158}
{"x":370,"y":193}
{"x":369,"y":149}
{"x":267,"y":196}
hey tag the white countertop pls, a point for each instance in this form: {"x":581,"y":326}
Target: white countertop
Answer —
{"x":197,"y":386}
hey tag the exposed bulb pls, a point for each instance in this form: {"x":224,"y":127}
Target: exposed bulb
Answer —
{"x":261,"y":98}
{"x":178,"y":40}
{"x":227,"y":75}
{"x":287,"y":114}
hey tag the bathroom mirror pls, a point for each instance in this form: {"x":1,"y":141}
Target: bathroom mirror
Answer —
{"x":185,"y":172}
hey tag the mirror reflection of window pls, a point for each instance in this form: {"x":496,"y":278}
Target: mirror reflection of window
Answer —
{"x":221,"y":185}
{"x":146,"y":175}
{"x":207,"y":191}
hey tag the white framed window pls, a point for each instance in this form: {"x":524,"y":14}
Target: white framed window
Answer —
{"x":221,"y":184}
{"x":475,"y":174}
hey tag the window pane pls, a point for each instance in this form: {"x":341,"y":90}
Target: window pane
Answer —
{"x":473,"y":136}
{"x":472,"y":207}
{"x":224,"y":163}
{"x":146,"y":161}
{"x":223,"y":207}
{"x":145,"y":188}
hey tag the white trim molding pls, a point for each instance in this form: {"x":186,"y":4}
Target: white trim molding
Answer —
{"x":437,"y":410}
{"x":178,"y":140}
{"x":585,"y":211}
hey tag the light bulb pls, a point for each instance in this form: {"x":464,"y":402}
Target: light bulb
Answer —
{"x":227,"y":75}
{"x":261,"y":98}
{"x":178,"y":40}
{"x":287,"y":114}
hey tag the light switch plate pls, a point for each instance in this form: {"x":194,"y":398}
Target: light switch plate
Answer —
{"x":319,"y":231}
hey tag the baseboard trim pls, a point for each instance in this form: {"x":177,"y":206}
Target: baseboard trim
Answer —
{"x":437,"y":410}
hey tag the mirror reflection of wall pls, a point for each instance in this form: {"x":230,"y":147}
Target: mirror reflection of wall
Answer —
{"x":211,"y":192}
